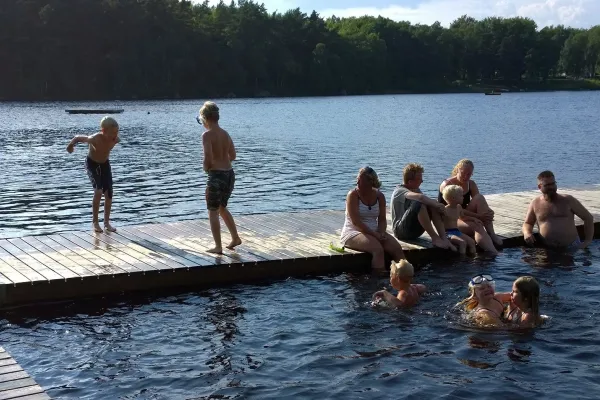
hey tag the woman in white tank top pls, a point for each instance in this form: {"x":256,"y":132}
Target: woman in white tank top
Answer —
{"x":365,"y":224}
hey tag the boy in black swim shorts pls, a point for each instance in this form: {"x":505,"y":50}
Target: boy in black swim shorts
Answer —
{"x":219,"y":152}
{"x":98,"y":168}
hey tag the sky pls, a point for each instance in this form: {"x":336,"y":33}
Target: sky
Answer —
{"x":575,"y":13}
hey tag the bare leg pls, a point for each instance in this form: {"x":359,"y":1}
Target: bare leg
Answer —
{"x":230,"y":223}
{"x":480,"y":206}
{"x":215,"y":228}
{"x":481,"y":236}
{"x":437,"y":221}
{"x":425,"y":221}
{"x":461,"y":244}
{"x":369,"y":244}
{"x":96,"y":210}
{"x":107,"y":207}
{"x":393,"y":247}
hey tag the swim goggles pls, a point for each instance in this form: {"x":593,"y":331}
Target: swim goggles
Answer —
{"x":199,"y":119}
{"x":482,"y":278}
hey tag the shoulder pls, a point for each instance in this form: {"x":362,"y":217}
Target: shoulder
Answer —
{"x":380,"y":195}
{"x":399,"y":191}
{"x":351,"y":194}
{"x":402,"y":295}
{"x":445,"y":183}
{"x":472,"y":184}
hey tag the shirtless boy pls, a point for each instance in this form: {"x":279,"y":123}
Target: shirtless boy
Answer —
{"x":98,"y":169}
{"x":554,"y":214}
{"x":219,"y":152}
{"x":401,"y":275}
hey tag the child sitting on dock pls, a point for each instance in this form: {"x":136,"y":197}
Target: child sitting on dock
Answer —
{"x":524,"y":307}
{"x":401,"y":275}
{"x":98,"y":168}
{"x":453,"y":195}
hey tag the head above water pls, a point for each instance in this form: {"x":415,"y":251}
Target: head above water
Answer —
{"x":401,"y":271}
{"x":526,"y":294}
{"x":547,"y":183}
{"x":481,"y":288}
{"x":453,"y":194}
{"x":463,"y":170}
{"x":412,"y":175}
{"x":367,"y":178}
{"x":209,"y":112}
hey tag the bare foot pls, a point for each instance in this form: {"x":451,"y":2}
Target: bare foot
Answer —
{"x":234,"y":242}
{"x":215,"y":250}
{"x":109,"y":227}
{"x":97,"y":228}
{"x":497,"y":241}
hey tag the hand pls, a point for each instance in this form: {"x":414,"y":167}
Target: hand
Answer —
{"x":487,"y":216}
{"x":70,"y":147}
{"x":379,"y":295}
{"x":529,"y":239}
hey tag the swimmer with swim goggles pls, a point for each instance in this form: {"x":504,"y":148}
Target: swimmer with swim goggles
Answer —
{"x":482,"y":279}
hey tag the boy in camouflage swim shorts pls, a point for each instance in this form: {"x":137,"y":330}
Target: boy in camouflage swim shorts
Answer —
{"x":219,"y":152}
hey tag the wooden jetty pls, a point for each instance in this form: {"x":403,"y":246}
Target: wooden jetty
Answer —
{"x":95,"y":111}
{"x":276,"y":245}
{"x":15,"y":383}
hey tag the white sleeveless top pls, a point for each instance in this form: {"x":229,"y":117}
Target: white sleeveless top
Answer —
{"x":369,"y":216}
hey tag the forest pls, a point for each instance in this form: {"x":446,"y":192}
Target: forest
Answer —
{"x":157,"y":49}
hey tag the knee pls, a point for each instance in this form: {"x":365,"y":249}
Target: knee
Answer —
{"x":108,"y":193}
{"x":97,"y":194}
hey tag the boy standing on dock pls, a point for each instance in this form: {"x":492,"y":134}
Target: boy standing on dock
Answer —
{"x":219,"y":152}
{"x":98,"y":169}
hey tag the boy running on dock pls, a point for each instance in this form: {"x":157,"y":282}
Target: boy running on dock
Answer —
{"x":98,"y":169}
{"x":219,"y":152}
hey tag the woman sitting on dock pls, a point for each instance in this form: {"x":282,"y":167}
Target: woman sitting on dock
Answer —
{"x":480,"y":224}
{"x":365,"y":225}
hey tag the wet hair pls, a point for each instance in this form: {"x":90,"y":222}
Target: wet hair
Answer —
{"x":371,"y":174}
{"x":401,"y":269}
{"x":411,"y":170}
{"x":544,"y":175}
{"x":465,"y":162}
{"x":108,"y":122}
{"x":471,"y":302}
{"x":451,"y":191}
{"x":209,"y":112}
{"x":530,"y":292}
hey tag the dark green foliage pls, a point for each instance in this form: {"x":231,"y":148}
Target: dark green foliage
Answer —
{"x":111,"y":49}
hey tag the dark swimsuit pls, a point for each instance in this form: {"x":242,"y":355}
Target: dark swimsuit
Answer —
{"x":494,"y":312}
{"x":466,"y":197}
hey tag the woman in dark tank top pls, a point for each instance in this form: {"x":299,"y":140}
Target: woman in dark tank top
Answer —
{"x":479,"y":223}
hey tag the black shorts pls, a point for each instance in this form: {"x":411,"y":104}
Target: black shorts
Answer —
{"x":219,"y":186}
{"x":100,"y":175}
{"x":409,"y":227}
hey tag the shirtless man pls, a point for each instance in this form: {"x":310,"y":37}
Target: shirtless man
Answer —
{"x":98,"y":169}
{"x":554,"y":214}
{"x":414,"y":213}
{"x":219,"y":152}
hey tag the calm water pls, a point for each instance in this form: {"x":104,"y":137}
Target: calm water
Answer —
{"x":293,"y":153}
{"x":320,"y":338}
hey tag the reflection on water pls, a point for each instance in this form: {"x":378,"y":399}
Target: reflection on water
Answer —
{"x":302,"y":338}
{"x":293,"y":154}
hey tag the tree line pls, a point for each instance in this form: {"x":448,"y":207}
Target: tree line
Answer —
{"x":124,"y":49}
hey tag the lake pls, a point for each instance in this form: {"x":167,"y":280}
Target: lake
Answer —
{"x":293,"y":154}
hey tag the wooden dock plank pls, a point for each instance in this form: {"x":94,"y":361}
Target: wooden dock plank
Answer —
{"x":27,"y":265}
{"x":83,"y":256}
{"x":101,"y":253}
{"x":43,"y":259}
{"x":184,"y":243}
{"x":132,"y":252}
{"x":16,"y":383}
{"x":58,"y":258}
{"x":11,"y":275}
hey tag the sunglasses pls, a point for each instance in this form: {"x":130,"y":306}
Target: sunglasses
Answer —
{"x":199,"y":120}
{"x":479,"y":279}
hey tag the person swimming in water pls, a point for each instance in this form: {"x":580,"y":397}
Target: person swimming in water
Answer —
{"x":485,"y":307}
{"x":524,"y":307}
{"x":401,"y":275}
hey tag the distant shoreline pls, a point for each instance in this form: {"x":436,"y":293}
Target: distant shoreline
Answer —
{"x":553,"y":85}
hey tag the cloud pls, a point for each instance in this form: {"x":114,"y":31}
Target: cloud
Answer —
{"x":576,"y":13}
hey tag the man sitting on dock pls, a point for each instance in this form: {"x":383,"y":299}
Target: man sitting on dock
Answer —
{"x":414,"y":213}
{"x":555,"y":216}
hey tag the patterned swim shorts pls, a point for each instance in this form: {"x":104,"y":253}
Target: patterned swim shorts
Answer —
{"x":219,"y":186}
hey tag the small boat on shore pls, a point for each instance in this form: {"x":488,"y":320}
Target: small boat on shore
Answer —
{"x":493,"y":93}
{"x":95,"y":111}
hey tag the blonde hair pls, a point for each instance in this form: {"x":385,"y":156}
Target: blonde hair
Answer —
{"x":530,"y":291}
{"x":465,"y":162}
{"x":108,"y":122}
{"x":373,"y":177}
{"x":470,"y":302}
{"x":401,"y":269}
{"x":411,"y":170}
{"x":209,"y":111}
{"x":451,"y":191}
